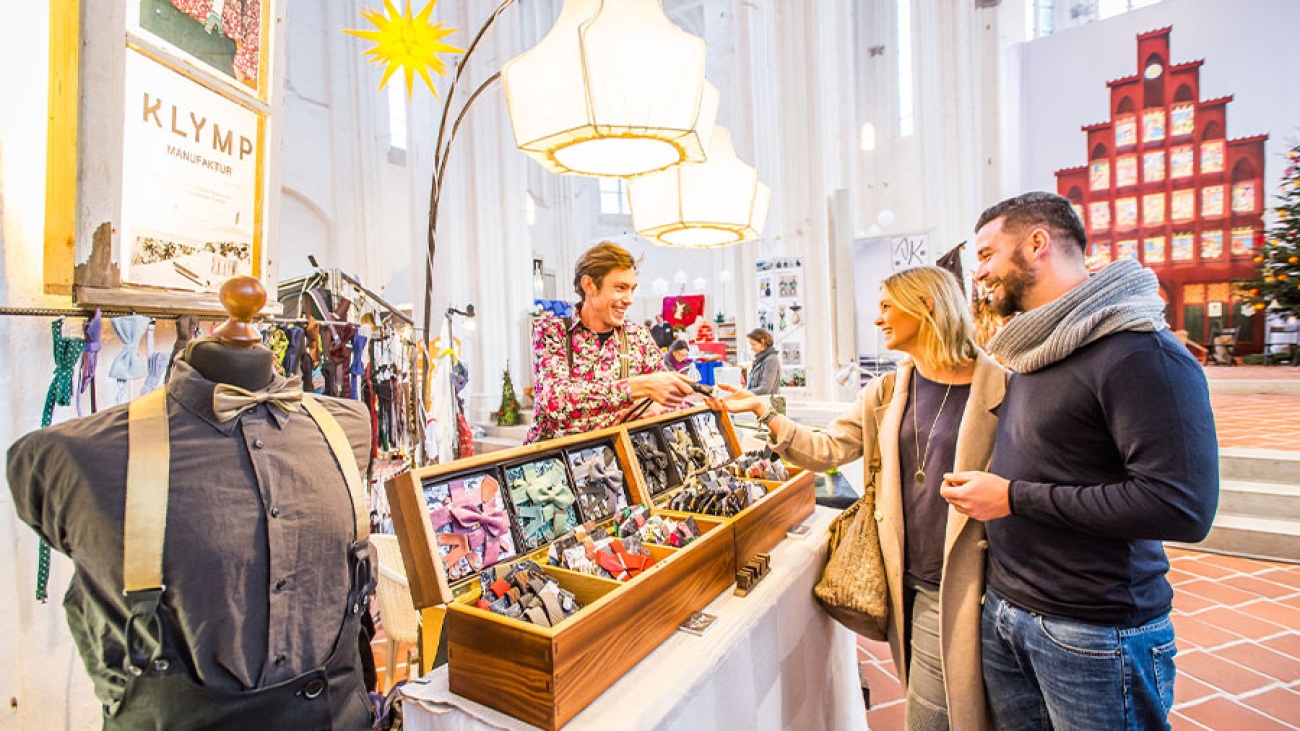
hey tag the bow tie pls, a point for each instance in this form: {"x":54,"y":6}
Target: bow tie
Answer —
{"x":230,"y":401}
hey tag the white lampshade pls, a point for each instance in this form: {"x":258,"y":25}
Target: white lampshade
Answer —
{"x":615,"y":89}
{"x":680,"y":277}
{"x":700,"y":284}
{"x":715,"y":203}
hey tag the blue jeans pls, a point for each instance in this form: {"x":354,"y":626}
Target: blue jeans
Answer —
{"x":1046,"y":673}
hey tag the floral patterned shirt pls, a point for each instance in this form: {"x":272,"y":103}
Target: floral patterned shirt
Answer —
{"x":590,"y":396}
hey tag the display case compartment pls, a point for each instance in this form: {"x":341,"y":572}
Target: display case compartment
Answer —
{"x":547,"y":675}
{"x":673,"y":478}
{"x":763,"y":525}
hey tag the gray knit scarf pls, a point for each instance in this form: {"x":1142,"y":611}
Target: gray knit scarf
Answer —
{"x":1123,"y":296}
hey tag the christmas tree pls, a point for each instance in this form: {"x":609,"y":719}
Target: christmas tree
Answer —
{"x":508,"y":414}
{"x":1277,"y":286}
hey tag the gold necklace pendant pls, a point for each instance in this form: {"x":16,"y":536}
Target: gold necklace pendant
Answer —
{"x":922,"y":458}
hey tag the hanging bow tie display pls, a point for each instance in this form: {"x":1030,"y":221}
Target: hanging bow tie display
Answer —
{"x":469,"y":515}
{"x":92,"y":329}
{"x":655,"y":464}
{"x":600,"y":483}
{"x":357,"y":368}
{"x":711,"y":438}
{"x":157,"y":364}
{"x":686,"y":455}
{"x":66,"y":353}
{"x":129,"y":365}
{"x":543,"y":500}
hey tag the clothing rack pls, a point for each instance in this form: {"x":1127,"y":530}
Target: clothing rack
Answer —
{"x":340,"y":284}
{"x":332,"y":278}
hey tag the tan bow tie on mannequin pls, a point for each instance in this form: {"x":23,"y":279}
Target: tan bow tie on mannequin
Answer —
{"x":230,"y":401}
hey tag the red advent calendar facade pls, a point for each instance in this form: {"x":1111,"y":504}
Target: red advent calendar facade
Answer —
{"x":1165,"y":186}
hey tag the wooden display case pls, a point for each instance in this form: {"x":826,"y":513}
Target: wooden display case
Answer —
{"x":547,"y":675}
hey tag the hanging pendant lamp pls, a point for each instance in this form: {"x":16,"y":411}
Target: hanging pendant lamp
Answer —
{"x":615,"y":89}
{"x":715,"y":203}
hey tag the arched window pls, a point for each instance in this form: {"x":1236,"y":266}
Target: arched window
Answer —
{"x":1245,"y":188}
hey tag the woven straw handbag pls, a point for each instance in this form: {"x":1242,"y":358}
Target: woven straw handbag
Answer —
{"x":852,"y":588}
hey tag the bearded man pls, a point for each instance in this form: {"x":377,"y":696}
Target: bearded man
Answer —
{"x":1105,"y":448}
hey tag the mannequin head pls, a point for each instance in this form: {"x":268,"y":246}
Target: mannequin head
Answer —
{"x":235,"y":355}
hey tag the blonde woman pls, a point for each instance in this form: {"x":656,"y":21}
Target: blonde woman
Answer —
{"x":937,"y":419}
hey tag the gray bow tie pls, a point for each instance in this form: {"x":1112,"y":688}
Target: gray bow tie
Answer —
{"x":230,"y":401}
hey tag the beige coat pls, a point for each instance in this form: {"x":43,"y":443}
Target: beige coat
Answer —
{"x":962,"y":586}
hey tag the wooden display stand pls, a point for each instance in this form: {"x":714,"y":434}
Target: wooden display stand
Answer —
{"x":547,"y":675}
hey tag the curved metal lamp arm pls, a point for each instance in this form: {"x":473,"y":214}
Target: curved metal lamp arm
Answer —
{"x":440,"y":168}
{"x":442,"y":149}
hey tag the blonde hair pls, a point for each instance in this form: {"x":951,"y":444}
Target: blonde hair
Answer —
{"x":933,"y":296}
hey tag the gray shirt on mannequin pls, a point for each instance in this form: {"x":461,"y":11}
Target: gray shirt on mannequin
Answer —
{"x":259,"y":526}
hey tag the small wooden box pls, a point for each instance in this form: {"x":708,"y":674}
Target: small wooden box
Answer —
{"x":547,"y":675}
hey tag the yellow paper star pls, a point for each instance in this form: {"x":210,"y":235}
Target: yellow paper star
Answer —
{"x":408,"y":42}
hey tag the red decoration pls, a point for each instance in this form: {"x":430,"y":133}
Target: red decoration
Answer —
{"x":682,"y":311}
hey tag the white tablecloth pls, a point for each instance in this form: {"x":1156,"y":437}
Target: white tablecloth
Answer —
{"x":772,"y":660}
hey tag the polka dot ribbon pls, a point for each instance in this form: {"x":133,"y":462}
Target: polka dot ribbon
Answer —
{"x":67,"y":351}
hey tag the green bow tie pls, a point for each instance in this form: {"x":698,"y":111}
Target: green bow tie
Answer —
{"x":230,"y":401}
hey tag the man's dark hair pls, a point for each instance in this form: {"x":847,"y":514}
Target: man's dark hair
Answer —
{"x":598,"y":261}
{"x":1038,"y":208}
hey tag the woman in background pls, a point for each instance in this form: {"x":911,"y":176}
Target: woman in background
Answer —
{"x":678,"y":358}
{"x":934,"y":416}
{"x":765,"y":373}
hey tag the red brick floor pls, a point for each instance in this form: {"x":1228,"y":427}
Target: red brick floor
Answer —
{"x":1238,"y":625}
{"x":1252,"y":373}
{"x":1237,"y":416}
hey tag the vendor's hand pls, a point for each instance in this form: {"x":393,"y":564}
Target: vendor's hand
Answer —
{"x":980,"y":495}
{"x":664,"y":388}
{"x":736,"y":400}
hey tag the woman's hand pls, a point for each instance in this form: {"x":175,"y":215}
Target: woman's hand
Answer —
{"x":736,"y":400}
{"x":664,"y":388}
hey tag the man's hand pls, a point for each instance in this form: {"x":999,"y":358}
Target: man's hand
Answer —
{"x":980,"y":495}
{"x":665,"y":389}
{"x":736,"y":400}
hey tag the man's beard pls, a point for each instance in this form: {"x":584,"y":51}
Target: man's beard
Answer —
{"x":1009,"y":296}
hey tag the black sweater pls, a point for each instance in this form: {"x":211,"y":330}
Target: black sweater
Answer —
{"x":1109,"y":452}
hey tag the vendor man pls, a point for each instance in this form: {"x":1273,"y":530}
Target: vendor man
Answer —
{"x":589,"y":369}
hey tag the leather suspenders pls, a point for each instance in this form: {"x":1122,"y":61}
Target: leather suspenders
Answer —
{"x":624,"y":358}
{"x":342,"y":451}
{"x":147,"y":483}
